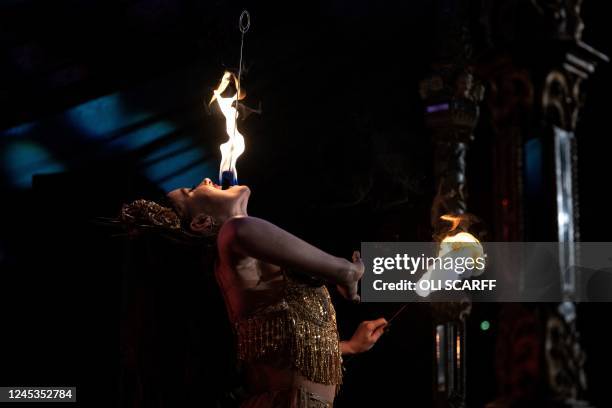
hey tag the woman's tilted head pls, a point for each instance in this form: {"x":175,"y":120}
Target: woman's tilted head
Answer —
{"x":205,"y":207}
{"x":188,"y":212}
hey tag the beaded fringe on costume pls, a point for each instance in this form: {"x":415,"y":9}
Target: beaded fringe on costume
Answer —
{"x":302,"y":327}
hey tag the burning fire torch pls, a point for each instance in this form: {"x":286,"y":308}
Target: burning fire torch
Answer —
{"x":454,"y":245}
{"x":234,"y":147}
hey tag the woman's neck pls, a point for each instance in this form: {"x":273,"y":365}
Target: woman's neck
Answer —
{"x":239,"y":210}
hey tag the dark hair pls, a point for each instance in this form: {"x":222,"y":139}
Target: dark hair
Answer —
{"x":170,"y":301}
{"x":161,"y":217}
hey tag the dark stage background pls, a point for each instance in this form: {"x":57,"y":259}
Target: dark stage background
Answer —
{"x":104,"y":102}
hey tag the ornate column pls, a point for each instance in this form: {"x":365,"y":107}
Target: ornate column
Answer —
{"x":451,"y":96}
{"x":560,"y":97}
{"x":538,"y":94}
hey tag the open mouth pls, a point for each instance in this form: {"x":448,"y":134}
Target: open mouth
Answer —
{"x":208,"y":182}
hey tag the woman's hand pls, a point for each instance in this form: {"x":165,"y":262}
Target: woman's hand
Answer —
{"x":366,"y":335}
{"x":350,"y":287}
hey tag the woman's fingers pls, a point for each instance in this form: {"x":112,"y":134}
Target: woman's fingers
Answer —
{"x":350,"y":289}
{"x":381,"y":325}
{"x":375,"y":327}
{"x":354,"y":293}
{"x":359,"y":265}
{"x":367,"y":334}
{"x":349,"y":292}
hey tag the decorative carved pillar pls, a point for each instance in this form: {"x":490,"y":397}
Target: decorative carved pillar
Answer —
{"x":547,"y":62}
{"x":560,"y":98}
{"x":451,"y":96}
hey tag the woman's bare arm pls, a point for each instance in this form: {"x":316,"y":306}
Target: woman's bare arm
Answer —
{"x":260,"y":239}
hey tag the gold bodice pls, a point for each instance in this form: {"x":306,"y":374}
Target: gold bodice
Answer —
{"x":300,"y":327}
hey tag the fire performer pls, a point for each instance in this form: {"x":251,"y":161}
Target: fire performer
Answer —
{"x":273,"y":286}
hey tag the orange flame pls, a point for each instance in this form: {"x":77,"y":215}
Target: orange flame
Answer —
{"x":455,"y":221}
{"x":461,"y":244}
{"x":234,"y":147}
{"x":460,"y":241}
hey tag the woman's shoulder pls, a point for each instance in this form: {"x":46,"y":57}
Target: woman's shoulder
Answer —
{"x":239,"y":233}
{"x":228,"y":234}
{"x":233,"y":228}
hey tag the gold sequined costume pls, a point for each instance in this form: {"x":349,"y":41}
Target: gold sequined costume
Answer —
{"x":301,"y":329}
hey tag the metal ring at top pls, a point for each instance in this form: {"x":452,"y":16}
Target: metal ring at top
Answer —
{"x":245,"y":22}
